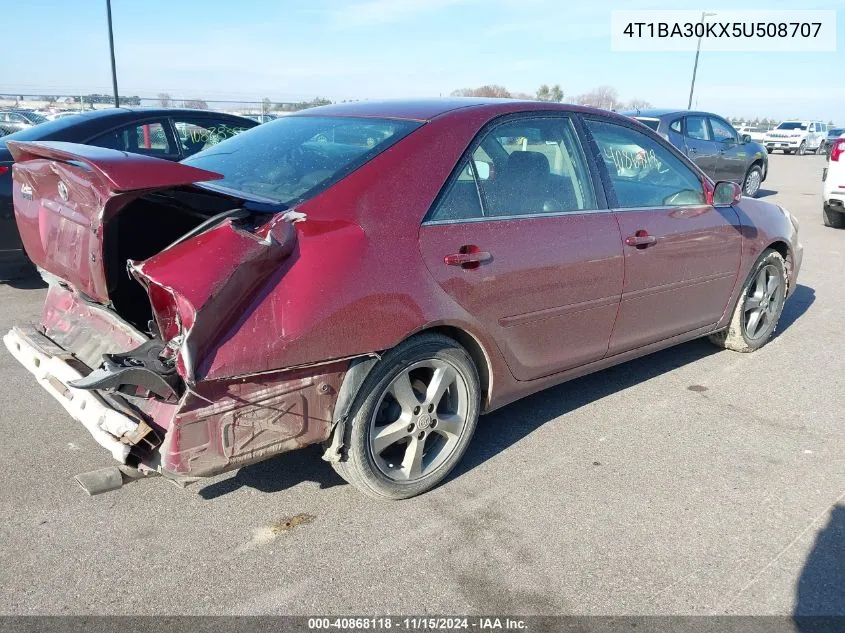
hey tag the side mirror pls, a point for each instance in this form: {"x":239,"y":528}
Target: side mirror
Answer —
{"x":726,"y":194}
{"x":745,"y":138}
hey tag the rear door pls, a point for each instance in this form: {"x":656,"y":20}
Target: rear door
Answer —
{"x":521,"y":240}
{"x":681,"y":254}
{"x":732,"y":156}
{"x":699,"y":144}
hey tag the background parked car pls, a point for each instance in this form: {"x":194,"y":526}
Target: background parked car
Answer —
{"x":12,"y":121}
{"x":796,"y":136}
{"x":756,"y":132}
{"x":711,"y":143}
{"x":832,"y":135}
{"x":833,"y":189}
{"x":166,"y":133}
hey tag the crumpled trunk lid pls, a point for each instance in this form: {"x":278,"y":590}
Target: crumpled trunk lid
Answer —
{"x":64,"y":193}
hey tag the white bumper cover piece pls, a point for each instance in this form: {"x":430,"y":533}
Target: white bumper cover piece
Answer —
{"x":48,"y":363}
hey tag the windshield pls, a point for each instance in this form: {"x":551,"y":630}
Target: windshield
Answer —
{"x":792,"y":125}
{"x":296,"y":157}
{"x":35,"y":117}
{"x":652,"y":123}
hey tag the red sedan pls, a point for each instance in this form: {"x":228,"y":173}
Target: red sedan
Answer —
{"x":373,"y":276}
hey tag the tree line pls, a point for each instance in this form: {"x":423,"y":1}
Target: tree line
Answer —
{"x":605,"y":97}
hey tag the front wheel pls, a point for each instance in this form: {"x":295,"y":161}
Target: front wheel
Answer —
{"x":751,"y":184}
{"x":759,"y":306}
{"x":802,"y":148}
{"x":412,"y":419}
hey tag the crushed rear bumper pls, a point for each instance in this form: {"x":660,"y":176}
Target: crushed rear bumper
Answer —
{"x":53,"y":368}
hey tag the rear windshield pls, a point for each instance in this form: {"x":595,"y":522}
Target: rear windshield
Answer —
{"x":652,"y":123}
{"x":296,"y":157}
{"x":792,"y":125}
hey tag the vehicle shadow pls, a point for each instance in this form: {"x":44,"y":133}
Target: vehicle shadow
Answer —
{"x":506,"y":426}
{"x":765,"y":193}
{"x":28,"y":282}
{"x":278,"y":474}
{"x":795,"y":307}
{"x":503,"y":427}
{"x":820,"y":590}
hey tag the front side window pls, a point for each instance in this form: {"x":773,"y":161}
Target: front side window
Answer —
{"x":144,"y":138}
{"x":722,"y":132}
{"x":526,"y":166}
{"x":296,"y":157}
{"x":195,"y":134}
{"x":643,"y":172}
{"x":697,"y":128}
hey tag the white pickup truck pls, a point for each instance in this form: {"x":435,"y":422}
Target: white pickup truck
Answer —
{"x":796,"y":136}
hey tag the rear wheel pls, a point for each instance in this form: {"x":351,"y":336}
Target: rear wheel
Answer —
{"x":751,"y":184}
{"x":759,"y":306}
{"x":833,"y":219}
{"x":412,"y":419}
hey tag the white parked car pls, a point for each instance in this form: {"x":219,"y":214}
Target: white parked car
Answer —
{"x":755,"y":132}
{"x":833,"y":190}
{"x":796,"y":136}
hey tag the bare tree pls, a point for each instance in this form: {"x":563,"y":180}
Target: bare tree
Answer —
{"x":637,"y":104}
{"x":605,"y":97}
{"x":197,"y":104}
{"x":488,"y":90}
{"x":164,"y":100}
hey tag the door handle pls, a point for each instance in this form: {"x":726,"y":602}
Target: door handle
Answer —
{"x":691,"y":150}
{"x":468,"y":257}
{"x":641,"y":239}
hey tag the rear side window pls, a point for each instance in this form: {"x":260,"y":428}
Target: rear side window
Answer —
{"x":675,"y":126}
{"x":526,"y":166}
{"x":296,"y":157}
{"x":643,"y":172}
{"x":697,"y":128}
{"x":145,"y":138}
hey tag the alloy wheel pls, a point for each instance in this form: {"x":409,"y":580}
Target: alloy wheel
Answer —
{"x":752,"y":183}
{"x":762,"y":303}
{"x":419,"y":420}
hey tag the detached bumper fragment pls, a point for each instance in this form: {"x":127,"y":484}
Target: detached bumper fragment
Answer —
{"x":55,"y":369}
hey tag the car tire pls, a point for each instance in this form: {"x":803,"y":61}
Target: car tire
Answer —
{"x":752,"y":181}
{"x":833,"y":219}
{"x":801,"y":148}
{"x":759,"y":307}
{"x":396,"y":444}
{"x":787,"y":151}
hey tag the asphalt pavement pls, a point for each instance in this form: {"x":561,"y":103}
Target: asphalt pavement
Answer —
{"x":692,"y":481}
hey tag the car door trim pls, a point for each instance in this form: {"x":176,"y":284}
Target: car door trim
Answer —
{"x":557,"y":311}
{"x":695,"y":281}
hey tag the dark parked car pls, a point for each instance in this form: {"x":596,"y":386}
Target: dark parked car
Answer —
{"x":286,"y":291}
{"x":12,"y":121}
{"x":165,"y":133}
{"x":711,"y":143}
{"x":833,"y":135}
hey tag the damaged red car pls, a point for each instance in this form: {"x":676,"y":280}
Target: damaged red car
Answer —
{"x":372,"y":277}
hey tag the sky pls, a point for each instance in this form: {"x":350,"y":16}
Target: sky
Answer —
{"x":289,"y":50}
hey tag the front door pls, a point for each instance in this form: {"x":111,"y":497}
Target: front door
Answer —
{"x":681,"y":254}
{"x":517,"y":241}
{"x":732,"y":156}
{"x":699,"y":144}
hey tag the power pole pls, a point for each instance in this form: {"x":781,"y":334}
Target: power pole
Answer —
{"x":704,"y":14}
{"x":111,"y":50}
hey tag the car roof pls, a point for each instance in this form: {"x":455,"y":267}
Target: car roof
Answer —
{"x":659,"y":113}
{"x":427,"y":109}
